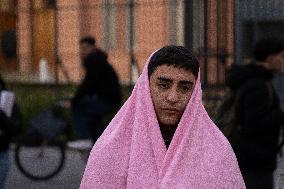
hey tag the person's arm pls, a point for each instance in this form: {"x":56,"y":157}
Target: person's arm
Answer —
{"x":256,"y":109}
{"x":11,"y":125}
{"x":89,"y":83}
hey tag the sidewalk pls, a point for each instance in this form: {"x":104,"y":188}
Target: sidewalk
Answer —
{"x":279,"y":173}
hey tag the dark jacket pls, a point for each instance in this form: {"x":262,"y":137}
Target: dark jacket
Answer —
{"x":9,"y":126}
{"x":100,"y":79}
{"x":259,"y":114}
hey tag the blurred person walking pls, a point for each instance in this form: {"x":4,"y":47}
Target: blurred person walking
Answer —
{"x":278,"y":83}
{"x":98,"y":94}
{"x":258,"y":113}
{"x":10,"y":125}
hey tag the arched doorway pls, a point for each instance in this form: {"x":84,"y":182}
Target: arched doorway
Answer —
{"x":43,"y":32}
{"x":8,"y":60}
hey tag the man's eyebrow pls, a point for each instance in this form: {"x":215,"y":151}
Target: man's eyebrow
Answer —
{"x":186,"y":82}
{"x":165,"y":79}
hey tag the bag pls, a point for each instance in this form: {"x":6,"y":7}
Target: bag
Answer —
{"x":48,"y":124}
{"x":7,"y":99}
{"x":281,"y":141}
{"x":226,"y":120}
{"x":225,"y":117}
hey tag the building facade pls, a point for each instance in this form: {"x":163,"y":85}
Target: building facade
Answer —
{"x":128,"y":30}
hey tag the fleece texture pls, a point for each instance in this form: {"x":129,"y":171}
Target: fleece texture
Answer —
{"x":131,"y":152}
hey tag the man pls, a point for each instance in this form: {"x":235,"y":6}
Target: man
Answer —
{"x":162,"y":137}
{"x":98,"y":94}
{"x":278,"y":83}
{"x":10,"y":126}
{"x":258,"y":113}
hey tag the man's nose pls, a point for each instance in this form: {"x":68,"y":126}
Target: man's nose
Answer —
{"x":172,"y":96}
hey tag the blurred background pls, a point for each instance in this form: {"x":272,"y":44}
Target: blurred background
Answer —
{"x":39,"y":52}
{"x":220,"y":32}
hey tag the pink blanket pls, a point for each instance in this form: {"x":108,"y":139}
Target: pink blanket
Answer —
{"x":131,"y":152}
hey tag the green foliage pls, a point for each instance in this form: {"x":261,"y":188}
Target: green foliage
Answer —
{"x":33,"y":98}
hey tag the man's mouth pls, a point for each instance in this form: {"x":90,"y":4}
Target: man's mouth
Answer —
{"x":170,"y":110}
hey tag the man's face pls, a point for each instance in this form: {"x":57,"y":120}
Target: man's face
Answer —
{"x":171,"y":89}
{"x":276,"y":61}
{"x":85,"y":49}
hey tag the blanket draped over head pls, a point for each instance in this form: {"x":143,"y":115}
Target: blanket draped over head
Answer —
{"x":131,"y":152}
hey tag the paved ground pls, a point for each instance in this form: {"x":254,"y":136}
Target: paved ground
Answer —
{"x":71,"y":174}
{"x":279,"y":173}
{"x":69,"y":177}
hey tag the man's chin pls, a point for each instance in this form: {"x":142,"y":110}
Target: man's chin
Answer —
{"x":169,"y":123}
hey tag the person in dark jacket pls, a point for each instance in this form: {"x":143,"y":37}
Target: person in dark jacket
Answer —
{"x":258,"y":113}
{"x":9,"y":127}
{"x":98,"y":94}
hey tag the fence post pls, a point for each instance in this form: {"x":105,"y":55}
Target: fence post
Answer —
{"x":131,"y":40}
{"x":205,"y":42}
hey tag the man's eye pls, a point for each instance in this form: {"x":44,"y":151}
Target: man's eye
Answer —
{"x":185,"y":88}
{"x":163,"y":85}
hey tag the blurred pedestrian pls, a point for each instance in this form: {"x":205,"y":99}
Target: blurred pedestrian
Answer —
{"x":162,"y":137}
{"x":10,"y":125}
{"x":98,"y":94}
{"x":258,"y":113}
{"x":278,"y":83}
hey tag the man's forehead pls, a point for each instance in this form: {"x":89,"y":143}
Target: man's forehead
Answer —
{"x":172,"y":73}
{"x":170,"y":79}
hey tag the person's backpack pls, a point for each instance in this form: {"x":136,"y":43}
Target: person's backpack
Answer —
{"x":281,"y":134}
{"x":225,"y":117}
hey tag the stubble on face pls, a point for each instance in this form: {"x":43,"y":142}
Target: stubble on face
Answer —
{"x":171,"y":89}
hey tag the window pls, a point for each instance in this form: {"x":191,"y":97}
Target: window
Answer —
{"x":254,"y":31}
